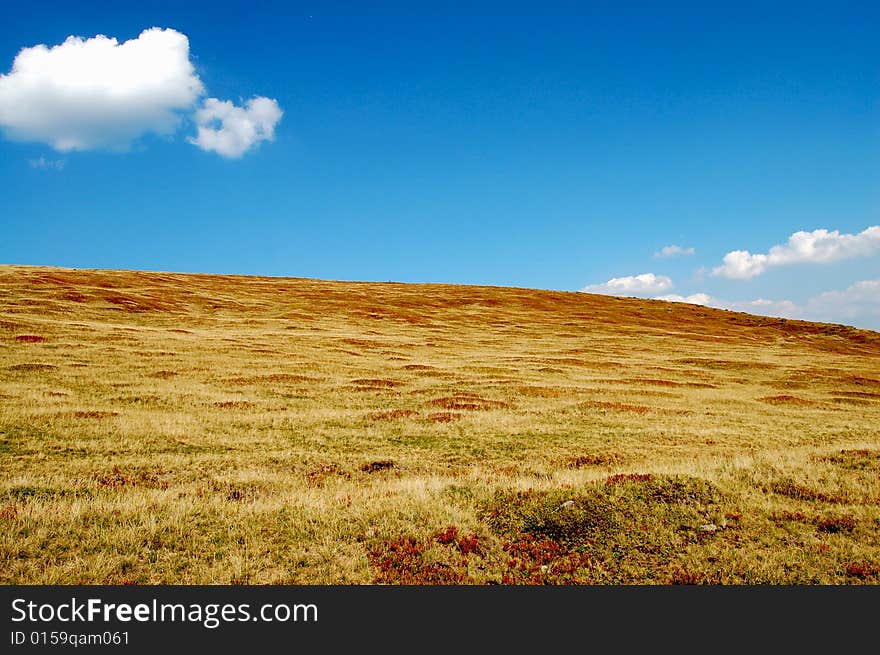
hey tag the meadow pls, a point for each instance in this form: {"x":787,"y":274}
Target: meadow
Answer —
{"x":201,"y":429}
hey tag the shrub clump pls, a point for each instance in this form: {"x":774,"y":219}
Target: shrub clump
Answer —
{"x":626,"y":530}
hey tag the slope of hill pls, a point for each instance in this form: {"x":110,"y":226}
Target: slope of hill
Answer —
{"x":175,"y":428}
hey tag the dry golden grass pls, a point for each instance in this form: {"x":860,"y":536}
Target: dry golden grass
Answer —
{"x":165,"y":428}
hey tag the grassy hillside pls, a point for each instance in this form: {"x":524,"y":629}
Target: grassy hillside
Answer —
{"x":169,"y":428}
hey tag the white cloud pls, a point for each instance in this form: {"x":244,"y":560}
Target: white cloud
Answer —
{"x":98,"y":93}
{"x":859,"y":302}
{"x":693,"y":299}
{"x":818,"y":246}
{"x":760,"y":306}
{"x":41,"y":163}
{"x":857,"y":305}
{"x":646,"y":284}
{"x":230,"y":131}
{"x":673,"y":251}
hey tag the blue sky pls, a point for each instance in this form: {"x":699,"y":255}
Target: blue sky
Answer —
{"x":551,"y":145}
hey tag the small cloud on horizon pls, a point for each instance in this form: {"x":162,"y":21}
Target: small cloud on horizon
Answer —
{"x":645,"y":284}
{"x":673,"y":251}
{"x":761,"y":306}
{"x":859,"y":304}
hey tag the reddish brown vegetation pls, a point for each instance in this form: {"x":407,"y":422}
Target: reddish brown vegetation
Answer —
{"x":402,"y":562}
{"x":9,"y":513}
{"x":535,"y":561}
{"x":835,"y":524}
{"x":233,"y":404}
{"x":30,"y":338}
{"x":787,"y":516}
{"x":863,"y":570}
{"x":466,"y":543}
{"x":378,"y":465}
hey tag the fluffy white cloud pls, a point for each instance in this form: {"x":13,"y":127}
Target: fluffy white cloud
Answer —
{"x":818,"y":246}
{"x":673,"y":251}
{"x":231,"y":131}
{"x":646,"y":284}
{"x":99,"y":93}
